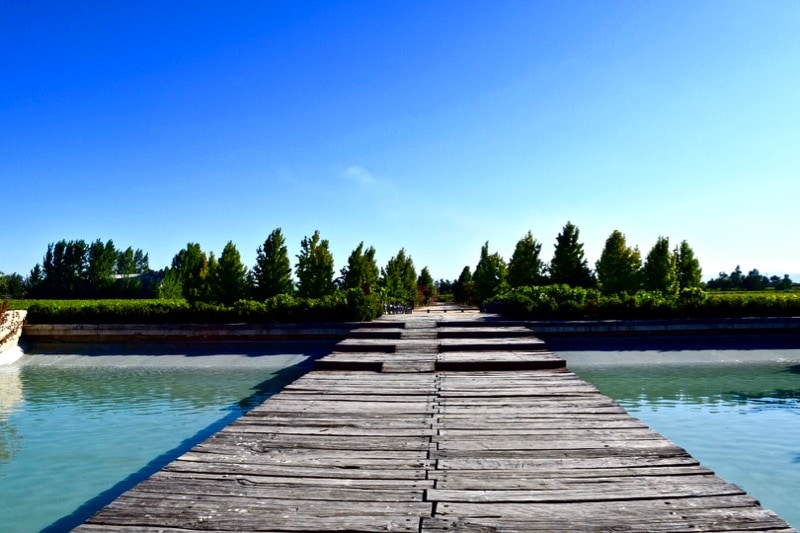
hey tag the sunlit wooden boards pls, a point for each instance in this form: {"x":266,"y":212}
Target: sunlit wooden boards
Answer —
{"x":334,"y":451}
{"x":427,"y":344}
{"x":543,"y":451}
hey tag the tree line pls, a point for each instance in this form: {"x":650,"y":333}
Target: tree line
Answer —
{"x":753,"y":281}
{"x":621,"y":269}
{"x":77,"y":269}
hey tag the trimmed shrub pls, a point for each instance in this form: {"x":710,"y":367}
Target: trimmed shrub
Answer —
{"x":351,"y":305}
{"x":561,"y":302}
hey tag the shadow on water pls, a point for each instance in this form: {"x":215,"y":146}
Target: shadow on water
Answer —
{"x":794,"y":369}
{"x":262,"y":392}
{"x":188,"y":349}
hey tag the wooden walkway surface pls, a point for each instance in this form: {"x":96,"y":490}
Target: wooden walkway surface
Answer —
{"x":436,"y":423}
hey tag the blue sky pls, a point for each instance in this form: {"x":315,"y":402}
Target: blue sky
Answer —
{"x":433,"y":126}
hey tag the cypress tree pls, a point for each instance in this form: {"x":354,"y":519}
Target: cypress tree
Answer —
{"x":314,"y":268}
{"x":569,"y":266}
{"x":525,"y":266}
{"x":272,"y":274}
{"x":658,"y":273}
{"x":619,"y":267}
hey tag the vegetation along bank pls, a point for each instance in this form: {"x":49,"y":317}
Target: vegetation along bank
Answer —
{"x":80,"y":282}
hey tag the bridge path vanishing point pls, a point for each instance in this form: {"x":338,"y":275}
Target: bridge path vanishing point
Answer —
{"x":436,"y":422}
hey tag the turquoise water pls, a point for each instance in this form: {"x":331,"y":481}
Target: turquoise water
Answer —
{"x":737,"y":412}
{"x":76,"y":430}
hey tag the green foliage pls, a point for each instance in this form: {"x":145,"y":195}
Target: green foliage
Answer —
{"x":100,"y":268}
{"x":425,"y":287}
{"x":659,"y":272}
{"x":361,"y":271}
{"x":12,"y":285}
{"x":489,"y":277}
{"x":399,"y":279}
{"x":618,"y":269}
{"x":73,"y":269}
{"x":753,"y":281}
{"x":191,"y":265}
{"x":171,"y":286}
{"x":569,"y":266}
{"x":128,"y":266}
{"x":350,"y":305}
{"x":229,"y":278}
{"x":463,"y":287}
{"x":525,"y":266}
{"x":272,"y":274}
{"x":561,"y":302}
{"x":547,"y":302}
{"x":687,"y":267}
{"x":314,"y":268}
{"x":108,"y":311}
{"x":64,"y":270}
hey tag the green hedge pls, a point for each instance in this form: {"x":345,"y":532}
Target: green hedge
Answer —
{"x":561,"y":302}
{"x":342,"y":306}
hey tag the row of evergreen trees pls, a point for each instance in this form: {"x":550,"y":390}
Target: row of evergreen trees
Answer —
{"x":753,"y":281}
{"x":620,"y":268}
{"x":75,"y":269}
{"x":197,"y":276}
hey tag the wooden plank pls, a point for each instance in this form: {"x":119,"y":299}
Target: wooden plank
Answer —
{"x":218,"y":464}
{"x":525,"y":464}
{"x":482,"y":331}
{"x":581,"y":493}
{"x":667,"y":516}
{"x":343,"y":462}
{"x":523,"y":343}
{"x":198,"y":480}
{"x":412,"y":366}
{"x":594,"y":481}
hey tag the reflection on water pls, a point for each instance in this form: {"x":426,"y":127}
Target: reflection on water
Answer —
{"x":10,"y":400}
{"x":78,"y":429}
{"x":737,"y":412}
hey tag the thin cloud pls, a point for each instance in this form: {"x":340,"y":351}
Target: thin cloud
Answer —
{"x":361,"y":176}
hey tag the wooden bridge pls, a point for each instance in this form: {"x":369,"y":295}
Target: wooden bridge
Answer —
{"x":436,"y":422}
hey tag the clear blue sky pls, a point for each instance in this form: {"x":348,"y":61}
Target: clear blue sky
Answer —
{"x":434,"y":126}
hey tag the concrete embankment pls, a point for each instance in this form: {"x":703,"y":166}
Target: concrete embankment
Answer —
{"x":722,"y":333}
{"x":105,"y":333}
{"x":590,"y":329}
{"x":745,"y":325}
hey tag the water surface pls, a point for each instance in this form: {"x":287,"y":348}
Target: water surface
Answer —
{"x":736,"y":411}
{"x":78,"y":429}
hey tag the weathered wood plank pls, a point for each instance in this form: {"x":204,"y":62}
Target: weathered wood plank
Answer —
{"x":528,"y":464}
{"x":581,"y":493}
{"x":592,"y":481}
{"x":492,"y":344}
{"x":235,"y":465}
{"x":175,"y":478}
{"x":225,"y":456}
